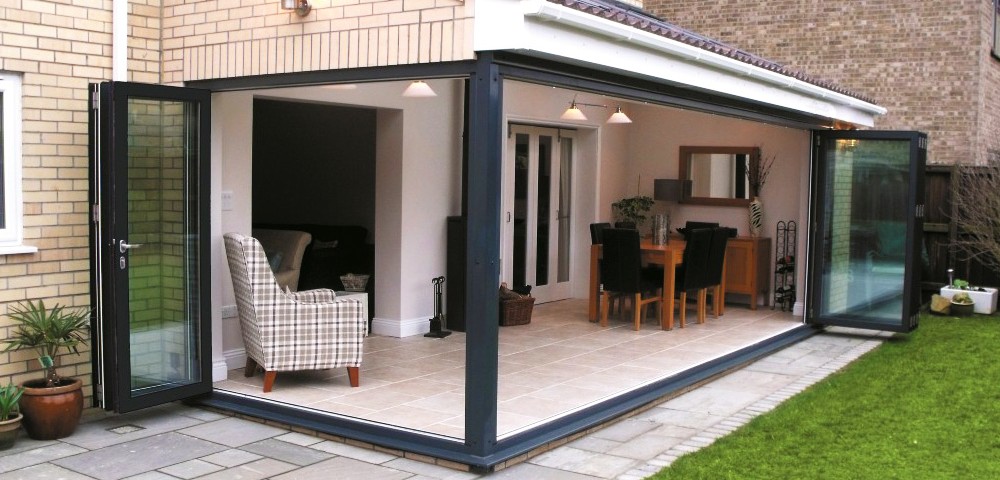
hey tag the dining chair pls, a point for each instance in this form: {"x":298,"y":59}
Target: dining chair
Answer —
{"x":692,"y":274}
{"x":622,"y":273}
{"x":716,"y":265}
{"x":597,"y":238}
{"x":597,"y":232}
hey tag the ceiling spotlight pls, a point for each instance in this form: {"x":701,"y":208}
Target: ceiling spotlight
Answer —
{"x":419,"y":89}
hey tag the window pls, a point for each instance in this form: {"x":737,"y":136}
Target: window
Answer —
{"x":11,"y":232}
{"x":996,"y":28}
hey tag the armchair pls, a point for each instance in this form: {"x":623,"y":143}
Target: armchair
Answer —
{"x":289,"y":331}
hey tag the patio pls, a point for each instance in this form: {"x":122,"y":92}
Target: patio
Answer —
{"x":557,"y":364}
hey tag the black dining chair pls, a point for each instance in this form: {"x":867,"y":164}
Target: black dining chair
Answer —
{"x":597,"y":232}
{"x":716,"y":265}
{"x":622,"y":273}
{"x":691,"y":275}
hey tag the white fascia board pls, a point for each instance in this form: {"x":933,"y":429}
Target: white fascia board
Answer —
{"x":547,"y":29}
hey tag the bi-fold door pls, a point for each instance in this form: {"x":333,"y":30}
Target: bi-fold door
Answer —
{"x":865,"y":240}
{"x":150,"y":252}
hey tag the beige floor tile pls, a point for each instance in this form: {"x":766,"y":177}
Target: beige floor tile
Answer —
{"x":558,"y":362}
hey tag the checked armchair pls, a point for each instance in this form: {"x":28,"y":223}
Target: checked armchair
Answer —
{"x":290,"y":331}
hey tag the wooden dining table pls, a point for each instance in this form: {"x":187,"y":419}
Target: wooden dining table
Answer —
{"x":670,"y":255}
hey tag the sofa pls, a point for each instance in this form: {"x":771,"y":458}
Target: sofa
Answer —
{"x":335,"y":250}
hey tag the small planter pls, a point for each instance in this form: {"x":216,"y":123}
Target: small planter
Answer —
{"x":985,"y":302}
{"x":8,"y":431}
{"x":962,"y":309}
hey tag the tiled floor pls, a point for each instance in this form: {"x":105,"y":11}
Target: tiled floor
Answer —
{"x":558,"y":363}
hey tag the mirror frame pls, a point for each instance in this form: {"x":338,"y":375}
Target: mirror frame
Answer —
{"x":685,"y":158}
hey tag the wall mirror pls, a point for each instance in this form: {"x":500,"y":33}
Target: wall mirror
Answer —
{"x":716,"y":175}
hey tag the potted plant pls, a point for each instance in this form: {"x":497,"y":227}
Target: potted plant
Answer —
{"x":962,"y":304}
{"x":10,"y":415}
{"x":631,"y":211}
{"x":51,"y":405}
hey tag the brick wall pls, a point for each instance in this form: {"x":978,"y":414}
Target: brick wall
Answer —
{"x":989,"y":127}
{"x":228,"y":38}
{"x":57,"y":48}
{"x":921,"y":60}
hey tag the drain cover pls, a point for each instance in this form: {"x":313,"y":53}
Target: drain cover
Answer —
{"x":126,"y":429}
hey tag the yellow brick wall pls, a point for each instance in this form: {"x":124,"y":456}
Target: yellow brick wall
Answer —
{"x":226,"y":38}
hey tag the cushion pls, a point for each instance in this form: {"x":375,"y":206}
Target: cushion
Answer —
{"x":274,"y":259}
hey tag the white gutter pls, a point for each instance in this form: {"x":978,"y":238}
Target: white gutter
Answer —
{"x":119,"y":40}
{"x":555,"y":13}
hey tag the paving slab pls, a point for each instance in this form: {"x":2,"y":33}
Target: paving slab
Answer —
{"x":35,"y":456}
{"x":233,"y":432}
{"x":132,"y":458}
{"x":286,"y":452}
{"x":342,"y":468}
{"x":44,"y":471}
{"x":255,"y":470}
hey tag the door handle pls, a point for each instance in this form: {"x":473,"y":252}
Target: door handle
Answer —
{"x":125,"y":247}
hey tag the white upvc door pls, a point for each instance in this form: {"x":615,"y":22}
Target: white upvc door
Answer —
{"x":537,"y":210}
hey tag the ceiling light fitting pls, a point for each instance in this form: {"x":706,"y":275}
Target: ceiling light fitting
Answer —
{"x":301,"y":7}
{"x":419,"y":89}
{"x":574,"y":112}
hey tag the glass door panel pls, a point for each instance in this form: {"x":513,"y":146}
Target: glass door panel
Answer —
{"x":152,"y":258}
{"x":867,"y":218}
{"x":537,"y":233}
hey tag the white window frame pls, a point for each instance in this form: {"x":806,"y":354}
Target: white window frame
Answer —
{"x":12,"y":235}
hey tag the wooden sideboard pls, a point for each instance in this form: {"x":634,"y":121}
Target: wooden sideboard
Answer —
{"x":748,"y":267}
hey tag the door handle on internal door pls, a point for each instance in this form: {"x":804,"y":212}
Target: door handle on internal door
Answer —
{"x":124,"y":247}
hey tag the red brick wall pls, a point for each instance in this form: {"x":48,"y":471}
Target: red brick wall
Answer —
{"x":924,"y":61}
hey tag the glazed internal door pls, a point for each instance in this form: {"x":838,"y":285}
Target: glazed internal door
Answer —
{"x":537,"y":203}
{"x":867,"y":218}
{"x":150,"y":159}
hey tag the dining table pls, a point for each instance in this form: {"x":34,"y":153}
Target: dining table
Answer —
{"x":670,"y":255}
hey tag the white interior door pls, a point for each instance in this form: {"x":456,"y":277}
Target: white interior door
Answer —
{"x":537,"y":210}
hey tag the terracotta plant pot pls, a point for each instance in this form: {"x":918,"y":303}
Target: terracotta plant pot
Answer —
{"x":8,"y":431}
{"x":53,"y":412}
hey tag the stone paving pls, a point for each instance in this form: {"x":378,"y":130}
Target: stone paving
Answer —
{"x":180,"y":442}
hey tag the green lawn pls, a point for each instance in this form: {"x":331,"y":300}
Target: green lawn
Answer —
{"x":922,"y":405}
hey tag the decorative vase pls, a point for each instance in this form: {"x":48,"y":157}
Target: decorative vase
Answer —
{"x":756,"y":218}
{"x":8,"y":431}
{"x":51,"y":412}
{"x":661,"y":229}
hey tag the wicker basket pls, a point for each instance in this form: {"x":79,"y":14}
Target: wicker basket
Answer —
{"x":516,"y":311}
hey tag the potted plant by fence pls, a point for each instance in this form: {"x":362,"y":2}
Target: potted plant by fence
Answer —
{"x":10,"y":415}
{"x":631,"y":211}
{"x":51,"y":405}
{"x":962,"y":304}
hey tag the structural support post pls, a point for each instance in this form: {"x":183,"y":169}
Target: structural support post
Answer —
{"x":482,"y":174}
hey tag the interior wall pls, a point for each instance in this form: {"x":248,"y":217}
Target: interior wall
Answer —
{"x":313,"y":163}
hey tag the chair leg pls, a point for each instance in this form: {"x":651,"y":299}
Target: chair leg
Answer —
{"x":251,"y":368}
{"x":683,"y":308}
{"x":354,"y":375}
{"x":702,"y":296}
{"x":638,"y":309}
{"x":269,"y":380}
{"x":604,"y":309}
